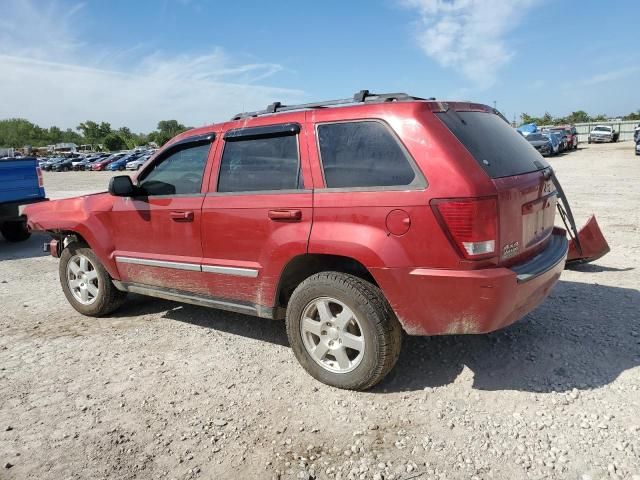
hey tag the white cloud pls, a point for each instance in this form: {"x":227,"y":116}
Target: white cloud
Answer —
{"x":610,"y":76}
{"x":60,"y":82}
{"x":469,"y":36}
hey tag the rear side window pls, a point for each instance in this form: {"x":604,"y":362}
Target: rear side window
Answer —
{"x":495,"y":145}
{"x":260,"y":164}
{"x":363,"y":154}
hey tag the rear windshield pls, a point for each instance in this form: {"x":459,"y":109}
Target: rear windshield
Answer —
{"x":497,"y":147}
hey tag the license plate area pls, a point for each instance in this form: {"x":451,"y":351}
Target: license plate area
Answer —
{"x":538,"y":218}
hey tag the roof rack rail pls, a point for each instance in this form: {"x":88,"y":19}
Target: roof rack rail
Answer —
{"x":363,"y":96}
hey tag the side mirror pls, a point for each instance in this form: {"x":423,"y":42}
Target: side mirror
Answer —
{"x":121,"y":186}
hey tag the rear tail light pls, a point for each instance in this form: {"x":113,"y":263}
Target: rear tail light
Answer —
{"x":471,"y":224}
{"x":40,"y":181}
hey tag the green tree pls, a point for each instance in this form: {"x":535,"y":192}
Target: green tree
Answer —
{"x":578,"y":117}
{"x":93,"y":132}
{"x":113,"y":141}
{"x":526,"y":118}
{"x":167,"y":129}
{"x":546,"y":119}
{"x":69,"y":136}
{"x":55,"y":134}
{"x":632,"y":116}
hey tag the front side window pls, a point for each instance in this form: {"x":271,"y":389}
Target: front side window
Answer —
{"x":178,"y":173}
{"x":362,"y":154}
{"x":260,"y":164}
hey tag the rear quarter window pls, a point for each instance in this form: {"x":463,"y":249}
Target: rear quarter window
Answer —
{"x":496,"y":146}
{"x":364,"y":154}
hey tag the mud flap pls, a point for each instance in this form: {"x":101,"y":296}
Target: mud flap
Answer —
{"x":592,"y":242}
{"x":585,"y":245}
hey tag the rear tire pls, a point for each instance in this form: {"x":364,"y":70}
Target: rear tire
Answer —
{"x":86,"y":284}
{"x":343,"y":331}
{"x":15,"y":231}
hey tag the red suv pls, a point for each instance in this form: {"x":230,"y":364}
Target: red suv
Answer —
{"x":354,"y":220}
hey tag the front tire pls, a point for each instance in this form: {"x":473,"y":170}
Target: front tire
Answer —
{"x":86,"y":284}
{"x":343,"y":331}
{"x":15,"y":231}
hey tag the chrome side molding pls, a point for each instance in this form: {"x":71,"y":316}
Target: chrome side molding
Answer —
{"x":237,"y":271}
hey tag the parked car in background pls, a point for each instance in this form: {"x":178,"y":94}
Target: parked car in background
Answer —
{"x":85,"y":163}
{"x":571,"y":135}
{"x":137,"y":163}
{"x":20,"y":184}
{"x":541,"y":143}
{"x":555,"y":141}
{"x":560,"y":138}
{"x":603,"y":133}
{"x":47,"y":166}
{"x":636,"y":133}
{"x":121,"y":163}
{"x":638,"y":147}
{"x":101,"y":164}
{"x":63,"y":166}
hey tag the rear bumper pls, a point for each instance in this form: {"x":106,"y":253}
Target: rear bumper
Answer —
{"x":14,"y":210}
{"x":440,"y":302}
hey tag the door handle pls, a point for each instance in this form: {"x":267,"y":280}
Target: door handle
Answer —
{"x":182,"y":216}
{"x":286,"y":215}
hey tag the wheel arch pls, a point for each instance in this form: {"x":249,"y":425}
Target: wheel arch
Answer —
{"x":303,"y":266}
{"x":80,"y":234}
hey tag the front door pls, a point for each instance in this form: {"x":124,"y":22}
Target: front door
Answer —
{"x":157,"y":232}
{"x":258,"y":213}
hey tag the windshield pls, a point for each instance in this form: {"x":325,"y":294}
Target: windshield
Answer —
{"x":495,"y":145}
{"x":602,"y":129}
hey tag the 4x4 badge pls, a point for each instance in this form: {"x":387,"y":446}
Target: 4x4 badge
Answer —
{"x":510,"y":249}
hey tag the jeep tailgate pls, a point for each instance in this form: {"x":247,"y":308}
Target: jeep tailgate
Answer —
{"x":526,"y":193}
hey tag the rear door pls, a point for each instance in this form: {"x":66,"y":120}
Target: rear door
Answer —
{"x":258,"y":211}
{"x":526,"y":195}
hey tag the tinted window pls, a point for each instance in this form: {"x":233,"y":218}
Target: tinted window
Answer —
{"x":362,"y":154}
{"x":494,"y":144}
{"x":250,"y":165}
{"x":178,"y":173}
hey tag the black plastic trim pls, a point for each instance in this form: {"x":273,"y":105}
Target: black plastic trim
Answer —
{"x":251,"y":133}
{"x":204,"y":138}
{"x":554,"y":253}
{"x":196,"y":299}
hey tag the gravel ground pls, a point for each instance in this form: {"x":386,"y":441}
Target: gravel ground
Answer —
{"x":162,"y":390}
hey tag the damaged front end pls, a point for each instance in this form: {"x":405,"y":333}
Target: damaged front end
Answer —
{"x":586,"y":245}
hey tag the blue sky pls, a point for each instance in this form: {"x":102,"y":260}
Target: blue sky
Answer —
{"x":134,"y":63}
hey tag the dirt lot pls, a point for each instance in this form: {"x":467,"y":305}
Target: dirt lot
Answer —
{"x":161,"y":390}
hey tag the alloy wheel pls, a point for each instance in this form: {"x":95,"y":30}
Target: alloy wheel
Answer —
{"x":332,"y":335}
{"x":82,"y":279}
